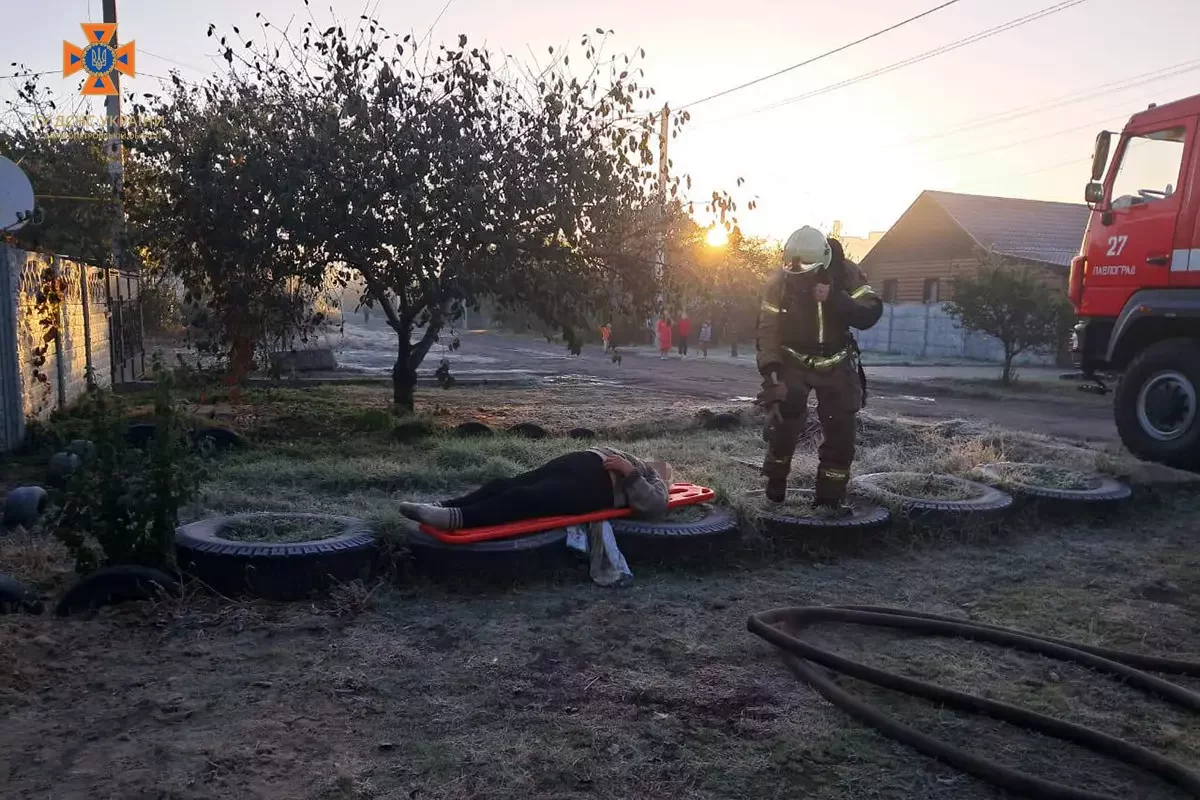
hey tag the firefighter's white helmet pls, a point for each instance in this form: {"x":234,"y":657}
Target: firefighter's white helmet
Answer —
{"x":806,"y":249}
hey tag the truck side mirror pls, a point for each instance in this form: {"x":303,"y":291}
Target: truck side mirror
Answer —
{"x":1100,"y":154}
{"x":1094,"y":193}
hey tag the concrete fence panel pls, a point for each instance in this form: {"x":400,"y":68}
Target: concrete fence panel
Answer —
{"x":923,"y":330}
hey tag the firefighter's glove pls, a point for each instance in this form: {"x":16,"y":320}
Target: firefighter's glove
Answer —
{"x":773,"y":392}
{"x":774,"y":416}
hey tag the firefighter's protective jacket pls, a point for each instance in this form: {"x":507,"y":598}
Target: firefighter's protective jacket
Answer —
{"x":793,"y":328}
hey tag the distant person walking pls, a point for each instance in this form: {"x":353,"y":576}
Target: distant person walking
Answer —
{"x":605,"y":335}
{"x":705,"y":337}
{"x":685,"y":331}
{"x":664,"y":338}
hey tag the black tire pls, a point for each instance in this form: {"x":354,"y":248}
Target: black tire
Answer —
{"x":112,"y":585}
{"x":275,"y":570}
{"x":864,"y":516}
{"x":522,"y":557}
{"x":989,"y":500}
{"x":62,"y":466}
{"x":1174,"y":363}
{"x":17,"y":598}
{"x":24,"y":506}
{"x":412,"y":431}
{"x":473,"y":429}
{"x":1108,"y":491}
{"x":641,"y":539}
{"x":583,"y":433}
{"x":141,"y":434}
{"x":529,"y":430}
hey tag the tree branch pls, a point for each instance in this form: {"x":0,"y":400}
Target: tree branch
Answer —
{"x":418,"y":352}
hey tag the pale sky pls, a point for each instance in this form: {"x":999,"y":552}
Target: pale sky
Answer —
{"x":849,"y":154}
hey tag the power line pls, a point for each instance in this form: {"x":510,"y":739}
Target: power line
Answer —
{"x":826,"y":54}
{"x":977,"y":37}
{"x":1068,"y":99}
{"x":1051,"y":167}
{"x":1007,"y":145}
{"x":144,"y":51}
{"x":1051,"y":135}
{"x":170,"y":80}
{"x":27,"y":74}
{"x":1059,"y":165}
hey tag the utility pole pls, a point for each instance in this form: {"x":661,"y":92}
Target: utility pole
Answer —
{"x":663,"y":172}
{"x":114,"y":150}
{"x":112,"y":146}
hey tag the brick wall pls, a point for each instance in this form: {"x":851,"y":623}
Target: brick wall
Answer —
{"x":83,"y":340}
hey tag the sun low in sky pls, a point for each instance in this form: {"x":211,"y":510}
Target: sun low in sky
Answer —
{"x":717,"y":236}
{"x":979,"y":97}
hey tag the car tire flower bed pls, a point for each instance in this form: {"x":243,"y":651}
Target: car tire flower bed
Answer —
{"x":967,"y":497}
{"x":1024,"y":481}
{"x":864,"y":515}
{"x":712,"y":530}
{"x":275,"y":570}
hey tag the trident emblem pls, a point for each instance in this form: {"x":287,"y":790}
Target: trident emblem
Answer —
{"x":99,"y":59}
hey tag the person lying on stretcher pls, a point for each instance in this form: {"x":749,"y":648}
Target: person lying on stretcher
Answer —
{"x":576,"y":483}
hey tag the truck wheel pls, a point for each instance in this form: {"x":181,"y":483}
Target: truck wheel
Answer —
{"x":1156,"y":407}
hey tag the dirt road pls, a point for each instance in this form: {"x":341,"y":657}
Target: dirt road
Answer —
{"x":1084,"y":417}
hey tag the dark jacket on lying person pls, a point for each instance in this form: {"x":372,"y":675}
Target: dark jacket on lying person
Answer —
{"x":581,"y":482}
{"x":643,"y":490}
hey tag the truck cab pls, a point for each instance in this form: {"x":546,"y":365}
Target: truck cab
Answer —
{"x":1135,"y":284}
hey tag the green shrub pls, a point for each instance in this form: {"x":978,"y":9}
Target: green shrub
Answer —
{"x":122,"y":505}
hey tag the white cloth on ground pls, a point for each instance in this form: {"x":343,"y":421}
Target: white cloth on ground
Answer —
{"x":608,"y":565}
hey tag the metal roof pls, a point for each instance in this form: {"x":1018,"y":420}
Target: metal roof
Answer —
{"x":1035,"y":230}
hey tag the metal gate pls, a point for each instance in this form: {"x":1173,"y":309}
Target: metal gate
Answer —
{"x":125,"y":327}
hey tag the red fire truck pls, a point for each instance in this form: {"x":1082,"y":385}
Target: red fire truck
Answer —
{"x":1136,"y":282}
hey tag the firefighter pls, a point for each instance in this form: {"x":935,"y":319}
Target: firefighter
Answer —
{"x":805,"y":345}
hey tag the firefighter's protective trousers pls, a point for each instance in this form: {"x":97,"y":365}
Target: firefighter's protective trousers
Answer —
{"x":839,"y":398}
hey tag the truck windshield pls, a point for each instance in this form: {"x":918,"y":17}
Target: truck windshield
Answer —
{"x":1149,"y":168}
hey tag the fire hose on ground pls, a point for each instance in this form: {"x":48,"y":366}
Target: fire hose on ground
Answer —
{"x":780,"y":626}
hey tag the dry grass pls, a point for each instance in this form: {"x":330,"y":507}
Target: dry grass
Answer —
{"x":35,"y":558}
{"x":567,"y":691}
{"x":686,"y":514}
{"x":927,"y":486}
{"x":280,"y":529}
{"x":564,"y":690}
{"x":1046,"y":476}
{"x":367,"y":474}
